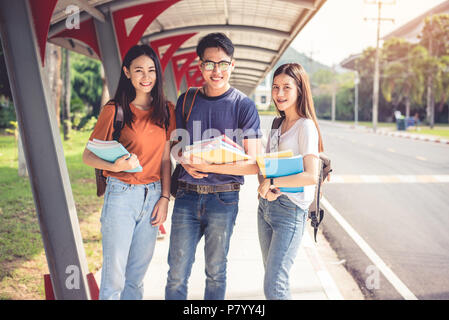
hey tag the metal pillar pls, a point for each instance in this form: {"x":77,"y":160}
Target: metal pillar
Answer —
{"x":49,"y":178}
{"x":109,"y":51}
{"x":183,"y":86}
{"x":171,"y":92}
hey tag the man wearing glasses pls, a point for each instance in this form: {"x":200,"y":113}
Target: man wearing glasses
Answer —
{"x":208,"y":194}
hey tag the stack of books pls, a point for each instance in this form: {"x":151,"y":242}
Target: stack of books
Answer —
{"x":109,"y":151}
{"x":281,"y":164}
{"x":216,"y":150}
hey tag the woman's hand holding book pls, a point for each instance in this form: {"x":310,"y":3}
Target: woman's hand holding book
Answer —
{"x":127,"y":162}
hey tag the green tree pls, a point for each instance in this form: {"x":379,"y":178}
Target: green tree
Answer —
{"x":435,"y":37}
{"x":403,"y":68}
{"x":86,"y":84}
{"x":442,"y":85}
{"x":325,"y":81}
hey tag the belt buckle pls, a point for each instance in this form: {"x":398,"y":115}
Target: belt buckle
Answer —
{"x":202,"y":189}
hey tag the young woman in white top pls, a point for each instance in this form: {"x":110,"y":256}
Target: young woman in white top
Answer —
{"x":282,"y":215}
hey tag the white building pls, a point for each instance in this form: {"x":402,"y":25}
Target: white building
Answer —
{"x":262,"y":95}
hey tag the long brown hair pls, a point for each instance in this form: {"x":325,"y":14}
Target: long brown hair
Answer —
{"x":304,"y":107}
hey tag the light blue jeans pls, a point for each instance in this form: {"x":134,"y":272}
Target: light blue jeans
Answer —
{"x":128,"y":238}
{"x":281,"y":225}
{"x":194,"y":215}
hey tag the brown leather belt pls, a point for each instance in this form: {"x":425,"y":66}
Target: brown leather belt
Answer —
{"x":205,"y":189}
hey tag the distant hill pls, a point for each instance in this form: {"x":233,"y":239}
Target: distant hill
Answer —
{"x":291,"y":55}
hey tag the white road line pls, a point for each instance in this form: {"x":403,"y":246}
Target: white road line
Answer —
{"x":407,"y":179}
{"x":380,"y":264}
{"x":370,"y":179}
{"x":388,"y":179}
{"x":442,"y":178}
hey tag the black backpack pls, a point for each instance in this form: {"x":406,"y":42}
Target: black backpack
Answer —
{"x":324,"y":169}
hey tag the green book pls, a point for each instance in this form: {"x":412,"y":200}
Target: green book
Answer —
{"x":109,"y":151}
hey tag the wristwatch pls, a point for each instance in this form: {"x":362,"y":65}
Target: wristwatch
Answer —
{"x":271,"y":182}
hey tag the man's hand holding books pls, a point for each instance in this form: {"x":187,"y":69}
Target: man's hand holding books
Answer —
{"x":195,"y":166}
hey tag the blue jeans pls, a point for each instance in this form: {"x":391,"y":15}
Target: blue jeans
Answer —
{"x":194,"y":215}
{"x":281,"y":226}
{"x":128,"y":238}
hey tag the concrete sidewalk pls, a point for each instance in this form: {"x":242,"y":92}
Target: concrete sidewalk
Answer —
{"x":309,"y":278}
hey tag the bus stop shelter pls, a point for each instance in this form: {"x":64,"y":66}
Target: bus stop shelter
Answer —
{"x":261,"y":31}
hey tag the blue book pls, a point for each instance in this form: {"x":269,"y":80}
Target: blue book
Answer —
{"x":281,"y":167}
{"x":109,"y":151}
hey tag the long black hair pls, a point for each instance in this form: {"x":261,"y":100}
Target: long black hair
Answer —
{"x":126,"y":92}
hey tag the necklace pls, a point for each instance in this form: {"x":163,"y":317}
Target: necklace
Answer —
{"x":142,"y":107}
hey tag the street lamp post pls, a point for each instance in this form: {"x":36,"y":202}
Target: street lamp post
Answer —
{"x":376,"y":61}
{"x":356,"y":98}
{"x":376,"y":73}
{"x":334,"y":94}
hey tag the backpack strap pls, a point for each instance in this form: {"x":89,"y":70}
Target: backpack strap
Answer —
{"x":187,"y":104}
{"x":118,"y":122}
{"x":117,"y":126}
{"x":316,"y":214}
{"x":276,"y":124}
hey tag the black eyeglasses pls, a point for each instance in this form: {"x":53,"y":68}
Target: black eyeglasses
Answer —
{"x":210,"y":65}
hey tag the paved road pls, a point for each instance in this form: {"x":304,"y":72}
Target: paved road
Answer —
{"x":394,"y":192}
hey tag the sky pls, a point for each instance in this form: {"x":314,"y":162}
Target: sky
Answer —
{"x":339,"y":30}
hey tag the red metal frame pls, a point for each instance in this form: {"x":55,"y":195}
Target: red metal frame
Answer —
{"x":192,"y":78}
{"x":93,"y":287}
{"x":175,"y":42}
{"x":86,"y":34}
{"x":182,"y":70}
{"x":42,"y":12}
{"x":150,"y":12}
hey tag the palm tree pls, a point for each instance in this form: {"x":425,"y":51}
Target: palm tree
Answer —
{"x":403,"y":73}
{"x":435,"y":37}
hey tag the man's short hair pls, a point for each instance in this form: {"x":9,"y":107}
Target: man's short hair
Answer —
{"x":215,"y":40}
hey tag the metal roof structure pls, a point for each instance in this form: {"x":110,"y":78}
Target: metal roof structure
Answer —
{"x":261,"y":30}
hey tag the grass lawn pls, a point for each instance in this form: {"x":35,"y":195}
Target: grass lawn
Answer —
{"x":439,"y":130}
{"x":22,"y":257}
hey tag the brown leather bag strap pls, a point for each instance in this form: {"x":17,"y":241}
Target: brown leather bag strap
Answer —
{"x":189,"y":100}
{"x":118,"y":122}
{"x":277,"y":122}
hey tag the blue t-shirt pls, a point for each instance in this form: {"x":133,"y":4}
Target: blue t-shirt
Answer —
{"x":231,"y":113}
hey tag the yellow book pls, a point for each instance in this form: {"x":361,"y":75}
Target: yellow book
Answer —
{"x":280,"y":154}
{"x":220,"y":156}
{"x":216,"y":151}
